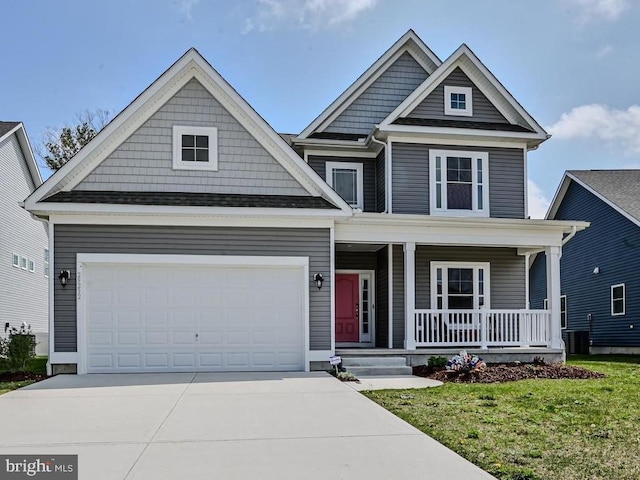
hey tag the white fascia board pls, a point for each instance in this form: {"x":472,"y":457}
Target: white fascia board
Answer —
{"x":25,"y":146}
{"x":420,"y":93}
{"x":467,"y":132}
{"x":564,"y":185}
{"x":260,"y":221}
{"x":460,"y":142}
{"x":190,"y":65}
{"x":48,"y":208}
{"x":367,"y":78}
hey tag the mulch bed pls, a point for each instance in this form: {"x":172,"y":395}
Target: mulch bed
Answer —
{"x":7,"y":377}
{"x":508,"y":373}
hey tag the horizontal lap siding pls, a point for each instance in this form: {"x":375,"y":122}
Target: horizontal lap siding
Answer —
{"x":611,"y":243}
{"x":319,"y":165}
{"x":381,"y":182}
{"x":73,"y":239}
{"x":432,"y":107}
{"x":398,"y":297}
{"x":382,"y":298}
{"x":381,"y":97}
{"x":143,"y":162}
{"x":410,"y":168}
{"x":507,"y":273}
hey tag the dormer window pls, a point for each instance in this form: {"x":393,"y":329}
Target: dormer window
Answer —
{"x":458,"y":101}
{"x":195,"y":148}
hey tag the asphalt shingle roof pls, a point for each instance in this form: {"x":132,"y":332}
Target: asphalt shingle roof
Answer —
{"x":7,"y":126}
{"x":191,"y":199}
{"x":435,"y":122}
{"x":620,"y":187}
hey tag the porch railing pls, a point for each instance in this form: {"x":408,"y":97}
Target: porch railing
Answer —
{"x":482,"y":328}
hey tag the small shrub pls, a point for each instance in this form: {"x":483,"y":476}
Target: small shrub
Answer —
{"x":18,"y":349}
{"x":437,"y":362}
{"x":347,"y":377}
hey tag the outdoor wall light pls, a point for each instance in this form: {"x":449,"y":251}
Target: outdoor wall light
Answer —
{"x":318,"y":278}
{"x":64,"y":277}
{"x":596,"y":270}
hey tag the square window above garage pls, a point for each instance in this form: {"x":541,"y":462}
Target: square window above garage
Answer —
{"x":195,"y":148}
{"x":458,"y":101}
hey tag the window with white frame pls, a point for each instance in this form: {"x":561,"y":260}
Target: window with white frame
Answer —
{"x":46,"y":262}
{"x":346,"y":179}
{"x":458,"y":101}
{"x":563,"y":310}
{"x":618,"y":299}
{"x":23,"y":263}
{"x":459,"y":285}
{"x":16,"y":260}
{"x":459,"y":183}
{"x":195,"y":148}
{"x":32,"y":266}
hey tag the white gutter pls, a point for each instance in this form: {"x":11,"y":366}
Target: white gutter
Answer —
{"x":386,"y":166}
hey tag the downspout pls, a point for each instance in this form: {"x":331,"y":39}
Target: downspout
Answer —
{"x":386,"y":166}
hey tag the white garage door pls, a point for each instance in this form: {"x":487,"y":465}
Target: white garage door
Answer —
{"x":145,"y":318}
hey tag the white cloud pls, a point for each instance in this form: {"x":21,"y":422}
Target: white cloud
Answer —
{"x":616,"y":127}
{"x":604,"y":51}
{"x":186,"y":6}
{"x":609,"y":10}
{"x":308,"y":14}
{"x":538,"y":203}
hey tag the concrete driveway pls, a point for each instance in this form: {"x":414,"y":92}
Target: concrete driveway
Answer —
{"x":228,"y":426}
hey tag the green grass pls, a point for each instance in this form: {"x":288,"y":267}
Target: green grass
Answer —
{"x":536,"y":429}
{"x":37,"y":365}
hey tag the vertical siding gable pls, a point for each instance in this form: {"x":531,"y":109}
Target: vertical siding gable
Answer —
{"x":381,"y":98}
{"x":144,"y":161}
{"x":410,"y":179}
{"x":24,"y":295}
{"x":611,"y":243}
{"x":432,"y":107}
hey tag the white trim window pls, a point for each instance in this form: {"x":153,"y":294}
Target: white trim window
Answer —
{"x":195,"y":148}
{"x":459,"y":183}
{"x":460,"y":285}
{"x":458,"y":101}
{"x":23,"y":263}
{"x":16,"y":260}
{"x":32,"y":266}
{"x":618,"y":299}
{"x":346,"y":178}
{"x":46,"y":263}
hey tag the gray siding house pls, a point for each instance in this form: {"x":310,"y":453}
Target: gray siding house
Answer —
{"x":24,"y":269}
{"x":190,"y":236}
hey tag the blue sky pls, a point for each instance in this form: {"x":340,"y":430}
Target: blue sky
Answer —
{"x":573,"y":64}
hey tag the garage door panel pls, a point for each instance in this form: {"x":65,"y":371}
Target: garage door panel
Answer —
{"x":194,"y":318}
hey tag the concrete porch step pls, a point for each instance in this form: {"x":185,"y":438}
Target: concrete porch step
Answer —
{"x":374,"y":362}
{"x":373,"y":371}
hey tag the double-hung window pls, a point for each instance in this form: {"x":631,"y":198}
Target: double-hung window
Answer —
{"x":618,"y":299}
{"x":195,"y":148}
{"x":346,"y":179}
{"x":459,"y":183}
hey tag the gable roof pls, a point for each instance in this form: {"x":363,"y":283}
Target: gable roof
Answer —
{"x":190,"y":65}
{"x":485,"y":81}
{"x":620,"y":189}
{"x":409,"y":42}
{"x":9,"y":128}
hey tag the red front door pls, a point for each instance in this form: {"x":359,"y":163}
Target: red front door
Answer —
{"x":347,"y":307}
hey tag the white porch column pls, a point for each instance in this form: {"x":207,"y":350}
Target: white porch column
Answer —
{"x":410,"y":295}
{"x":553,"y":255}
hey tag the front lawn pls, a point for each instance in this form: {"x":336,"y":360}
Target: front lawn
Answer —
{"x":536,"y":429}
{"x":37,"y":366}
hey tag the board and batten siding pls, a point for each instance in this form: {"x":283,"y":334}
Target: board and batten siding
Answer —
{"x":167,"y":240}
{"x":432,"y":107}
{"x":319,"y":165}
{"x":25,"y":295}
{"x":381,"y":97}
{"x":611,"y":243}
{"x":507,"y":273}
{"x":410,"y":178}
{"x":143,"y":162}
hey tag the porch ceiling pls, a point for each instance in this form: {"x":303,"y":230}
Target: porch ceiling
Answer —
{"x":359,"y":247}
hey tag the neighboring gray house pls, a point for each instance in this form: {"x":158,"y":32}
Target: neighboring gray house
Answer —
{"x":24,"y":268}
{"x":192,"y":237}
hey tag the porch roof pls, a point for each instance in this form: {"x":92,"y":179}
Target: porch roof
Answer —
{"x":527,"y":235}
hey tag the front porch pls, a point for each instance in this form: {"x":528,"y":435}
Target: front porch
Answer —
{"x":443,"y":294}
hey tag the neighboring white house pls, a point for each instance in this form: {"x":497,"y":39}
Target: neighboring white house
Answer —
{"x":24,"y":255}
